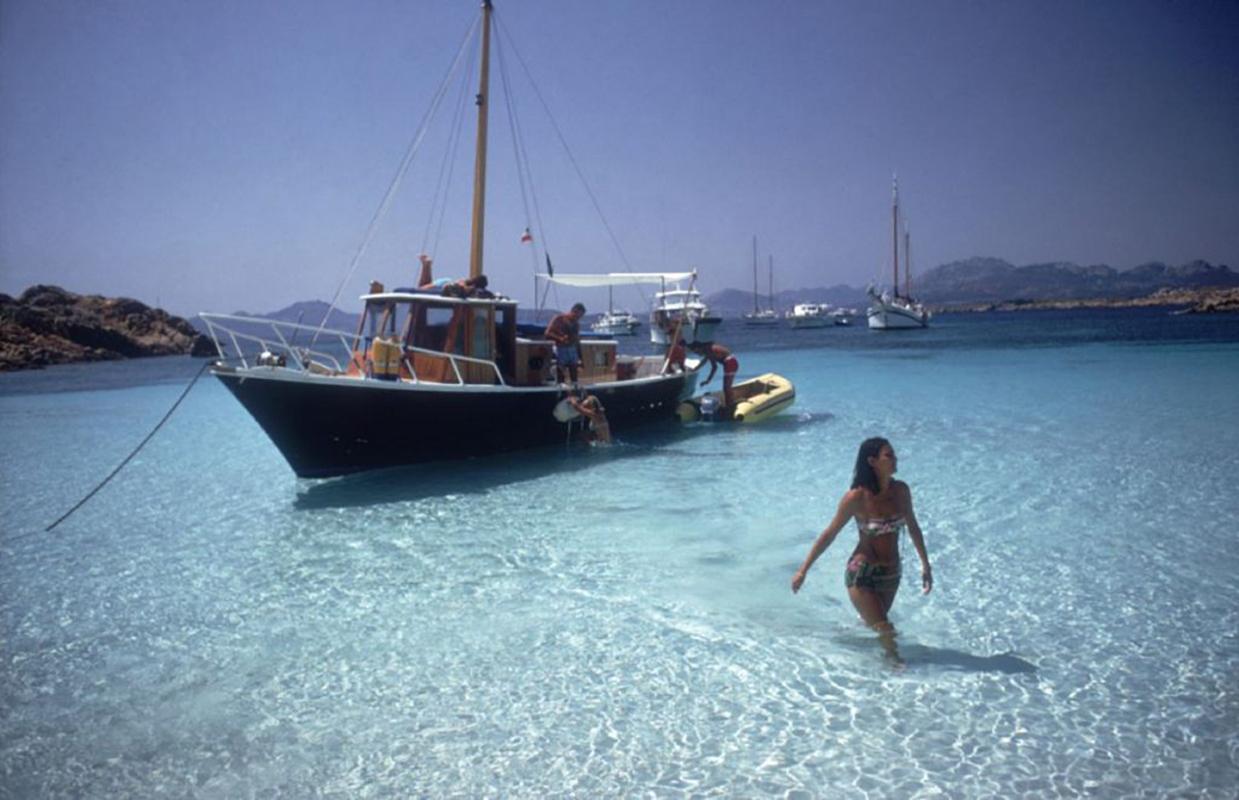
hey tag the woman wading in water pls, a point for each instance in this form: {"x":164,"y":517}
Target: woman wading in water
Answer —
{"x":882,"y":507}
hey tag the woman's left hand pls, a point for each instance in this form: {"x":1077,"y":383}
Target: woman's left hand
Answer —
{"x":927,"y":580}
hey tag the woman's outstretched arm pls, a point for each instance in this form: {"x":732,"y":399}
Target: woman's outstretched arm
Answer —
{"x":918,"y":540}
{"x":847,"y":509}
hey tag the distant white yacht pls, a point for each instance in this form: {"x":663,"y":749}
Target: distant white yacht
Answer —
{"x":809,"y":315}
{"x":683,"y":309}
{"x":891,"y":310}
{"x":616,"y":323}
{"x":613,"y":322}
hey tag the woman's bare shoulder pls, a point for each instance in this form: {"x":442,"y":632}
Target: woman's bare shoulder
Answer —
{"x":854,"y":498}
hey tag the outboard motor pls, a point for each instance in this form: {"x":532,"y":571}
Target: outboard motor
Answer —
{"x":709,"y":407}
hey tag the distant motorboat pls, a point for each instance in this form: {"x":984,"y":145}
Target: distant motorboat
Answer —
{"x":616,"y":323}
{"x":890,"y":310}
{"x":809,"y":315}
{"x":843,"y":316}
{"x":682,"y":309}
{"x":613,"y":322}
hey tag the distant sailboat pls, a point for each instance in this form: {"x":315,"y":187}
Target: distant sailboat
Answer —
{"x":615,"y":323}
{"x":762,"y":316}
{"x":891,"y":310}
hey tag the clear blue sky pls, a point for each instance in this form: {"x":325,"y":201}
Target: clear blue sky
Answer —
{"x":225,"y":155}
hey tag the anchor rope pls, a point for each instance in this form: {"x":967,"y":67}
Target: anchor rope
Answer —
{"x":129,"y":457}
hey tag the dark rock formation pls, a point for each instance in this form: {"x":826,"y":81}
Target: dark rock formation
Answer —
{"x":48,"y":325}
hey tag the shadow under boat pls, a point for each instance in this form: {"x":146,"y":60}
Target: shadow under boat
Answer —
{"x":478,"y":475}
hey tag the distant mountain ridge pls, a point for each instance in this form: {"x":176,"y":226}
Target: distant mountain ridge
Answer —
{"x":972,"y":280}
{"x":310,"y":312}
{"x":992,"y":280}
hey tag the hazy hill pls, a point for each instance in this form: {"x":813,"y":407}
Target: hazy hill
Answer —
{"x":992,"y":279}
{"x":973,"y":280}
{"x":977,"y":280}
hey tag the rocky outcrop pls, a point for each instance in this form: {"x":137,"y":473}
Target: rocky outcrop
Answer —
{"x":48,"y":325}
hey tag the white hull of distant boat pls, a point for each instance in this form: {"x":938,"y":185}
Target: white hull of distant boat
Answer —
{"x":891,"y":310}
{"x":685,"y":311}
{"x":616,"y":323}
{"x":893,"y":315}
{"x":766,"y":317}
{"x":809,"y":315}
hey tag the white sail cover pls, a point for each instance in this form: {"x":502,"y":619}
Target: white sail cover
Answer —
{"x":587,"y":280}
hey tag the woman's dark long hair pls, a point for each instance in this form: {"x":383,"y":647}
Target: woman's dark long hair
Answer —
{"x":863,"y":474}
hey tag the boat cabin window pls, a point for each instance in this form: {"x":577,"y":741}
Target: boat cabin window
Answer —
{"x":429,"y":331}
{"x":478,"y":330}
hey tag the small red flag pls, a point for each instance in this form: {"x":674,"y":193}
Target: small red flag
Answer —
{"x":526,"y":236}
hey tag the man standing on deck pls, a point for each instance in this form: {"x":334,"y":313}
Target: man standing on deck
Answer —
{"x":565,"y":331}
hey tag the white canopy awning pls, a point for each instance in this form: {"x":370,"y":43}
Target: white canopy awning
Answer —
{"x":588,"y":280}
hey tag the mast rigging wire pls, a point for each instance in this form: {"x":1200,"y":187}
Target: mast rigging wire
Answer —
{"x":448,"y":166}
{"x":568,"y":151}
{"x":523,"y":165}
{"x":405,"y":163}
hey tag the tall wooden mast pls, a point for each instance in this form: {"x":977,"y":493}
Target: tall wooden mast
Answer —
{"x":479,"y":162}
{"x":895,"y":230}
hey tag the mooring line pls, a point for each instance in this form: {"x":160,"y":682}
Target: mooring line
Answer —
{"x":129,"y":457}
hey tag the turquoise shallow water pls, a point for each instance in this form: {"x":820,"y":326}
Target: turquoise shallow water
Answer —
{"x":619,"y":622}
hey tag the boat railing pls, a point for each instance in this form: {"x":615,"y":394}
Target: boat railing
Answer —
{"x":281,"y":341}
{"x":270,"y":335}
{"x":452,"y":358}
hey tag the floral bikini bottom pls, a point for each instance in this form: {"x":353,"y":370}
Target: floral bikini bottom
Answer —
{"x":875,"y":577}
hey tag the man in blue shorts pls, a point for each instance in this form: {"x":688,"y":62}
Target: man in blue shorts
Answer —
{"x":565,"y":331}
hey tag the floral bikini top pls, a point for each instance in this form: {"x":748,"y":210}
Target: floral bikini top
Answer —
{"x":881,"y":526}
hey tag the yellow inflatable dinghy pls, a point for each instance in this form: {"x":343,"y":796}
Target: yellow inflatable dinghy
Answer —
{"x":756,"y":399}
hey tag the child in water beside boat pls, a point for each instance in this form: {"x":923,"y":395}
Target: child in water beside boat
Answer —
{"x":882,"y":508}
